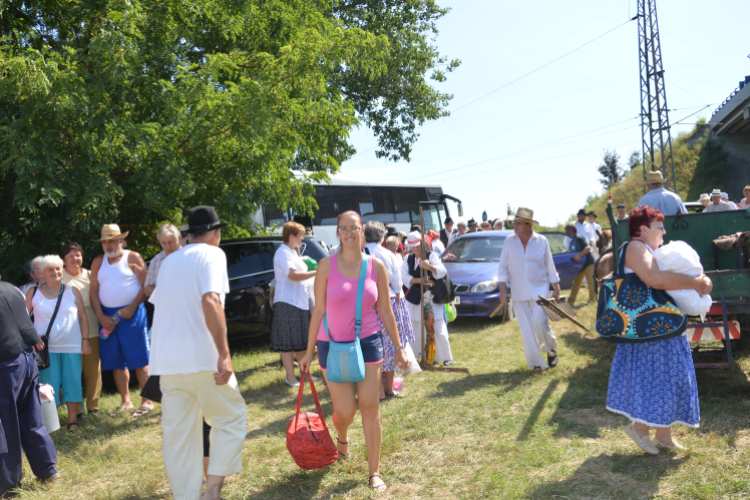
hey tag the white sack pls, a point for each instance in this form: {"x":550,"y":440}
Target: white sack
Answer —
{"x":414,"y":367}
{"x":679,"y":257}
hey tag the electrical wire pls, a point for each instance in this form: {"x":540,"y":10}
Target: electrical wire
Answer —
{"x":539,"y":161}
{"x":542,"y":67}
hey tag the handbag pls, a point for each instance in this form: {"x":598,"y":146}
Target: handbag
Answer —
{"x":307,"y":436}
{"x":630,"y":311}
{"x":443,"y":292}
{"x":345,"y":364}
{"x":152,"y":389}
{"x":42,"y":357}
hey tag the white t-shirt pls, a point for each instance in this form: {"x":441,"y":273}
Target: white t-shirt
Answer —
{"x":180,"y":341}
{"x":295,"y":293}
{"x":65,"y":334}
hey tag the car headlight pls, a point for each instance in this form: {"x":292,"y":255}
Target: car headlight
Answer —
{"x":484,"y":287}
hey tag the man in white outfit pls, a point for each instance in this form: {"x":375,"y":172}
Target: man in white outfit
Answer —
{"x":191,"y":354}
{"x":526,"y":264}
{"x":410,"y":271}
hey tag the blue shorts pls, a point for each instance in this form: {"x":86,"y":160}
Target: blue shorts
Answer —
{"x":372,"y":350}
{"x":64,"y":373}
{"x":128,"y":346}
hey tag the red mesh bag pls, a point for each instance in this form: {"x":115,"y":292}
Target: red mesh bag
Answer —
{"x":307,"y":436}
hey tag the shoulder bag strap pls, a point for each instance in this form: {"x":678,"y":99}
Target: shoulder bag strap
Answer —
{"x":621,"y":267}
{"x":54,"y":314}
{"x":367,"y":251}
{"x":31,"y":313}
{"x":360,"y":293}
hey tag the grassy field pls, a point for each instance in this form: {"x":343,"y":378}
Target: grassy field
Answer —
{"x":503,"y":431}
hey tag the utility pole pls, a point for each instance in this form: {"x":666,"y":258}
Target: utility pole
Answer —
{"x":655,"y":128}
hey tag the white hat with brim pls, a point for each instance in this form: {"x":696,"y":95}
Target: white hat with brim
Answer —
{"x":715,"y":192}
{"x":413,"y":239}
{"x":705,"y":197}
{"x":112,"y":232}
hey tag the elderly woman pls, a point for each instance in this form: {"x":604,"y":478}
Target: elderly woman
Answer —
{"x":745,"y":203}
{"x":79,"y":278}
{"x":291,"y":300}
{"x":170,"y":241}
{"x":335,"y":299}
{"x":392,"y":244}
{"x":653,"y":383}
{"x":68,"y":334}
{"x":374,"y":233}
{"x":32,"y":273}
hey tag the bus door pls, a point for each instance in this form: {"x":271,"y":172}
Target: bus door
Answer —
{"x":434,"y":215}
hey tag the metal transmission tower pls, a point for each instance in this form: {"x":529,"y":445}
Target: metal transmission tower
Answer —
{"x":655,"y":128}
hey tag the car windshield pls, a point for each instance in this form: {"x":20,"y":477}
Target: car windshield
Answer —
{"x":475,"y":250}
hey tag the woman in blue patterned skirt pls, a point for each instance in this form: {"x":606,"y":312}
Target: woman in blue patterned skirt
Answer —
{"x":653,"y":383}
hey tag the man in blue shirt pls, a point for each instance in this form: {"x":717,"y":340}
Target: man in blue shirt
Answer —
{"x":657,"y":197}
{"x":581,"y":245}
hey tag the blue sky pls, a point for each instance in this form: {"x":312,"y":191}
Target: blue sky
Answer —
{"x":513,"y":138}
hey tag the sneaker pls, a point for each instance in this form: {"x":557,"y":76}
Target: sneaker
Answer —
{"x":642,"y":441}
{"x":552,"y":360}
{"x":674,"y":446}
{"x":448,"y":364}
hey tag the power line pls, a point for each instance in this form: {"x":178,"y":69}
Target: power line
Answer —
{"x":537,"y":147}
{"x":543,"y":66}
{"x":540,"y":161}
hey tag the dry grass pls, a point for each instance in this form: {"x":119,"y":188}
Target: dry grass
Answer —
{"x":500,"y":432}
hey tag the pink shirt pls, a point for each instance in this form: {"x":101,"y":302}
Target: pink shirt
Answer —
{"x":341,"y":303}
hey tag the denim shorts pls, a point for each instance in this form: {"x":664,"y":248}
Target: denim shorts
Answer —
{"x":372,"y":350}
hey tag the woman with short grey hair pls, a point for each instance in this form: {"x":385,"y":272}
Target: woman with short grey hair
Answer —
{"x":169,"y":240}
{"x":374,"y":234}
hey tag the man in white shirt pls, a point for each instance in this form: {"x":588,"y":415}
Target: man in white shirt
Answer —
{"x":584,"y":228}
{"x":717,"y":204}
{"x":191,"y":354}
{"x":526,"y":264}
{"x":595,"y":227}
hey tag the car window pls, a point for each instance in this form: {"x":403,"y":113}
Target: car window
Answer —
{"x":243,"y":259}
{"x":313,"y":250}
{"x":557,"y":242}
{"x":475,"y":250}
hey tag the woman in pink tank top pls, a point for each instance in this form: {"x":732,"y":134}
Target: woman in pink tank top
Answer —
{"x":335,"y":296}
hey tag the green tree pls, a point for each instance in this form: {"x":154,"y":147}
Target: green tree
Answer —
{"x":610,"y":169}
{"x":133,"y":111}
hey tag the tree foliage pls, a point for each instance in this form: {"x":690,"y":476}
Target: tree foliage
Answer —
{"x":133,"y":111}
{"x":634,"y":159}
{"x":610,"y":169}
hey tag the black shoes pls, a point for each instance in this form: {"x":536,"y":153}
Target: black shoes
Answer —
{"x":551,"y":360}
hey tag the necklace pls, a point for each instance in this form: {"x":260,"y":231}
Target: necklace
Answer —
{"x":62,"y":287}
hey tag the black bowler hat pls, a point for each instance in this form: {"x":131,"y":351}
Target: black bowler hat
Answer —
{"x":201,"y":219}
{"x":582,"y":212}
{"x":392,"y":231}
{"x":592,"y":213}
{"x":472,"y":222}
{"x":448,"y":220}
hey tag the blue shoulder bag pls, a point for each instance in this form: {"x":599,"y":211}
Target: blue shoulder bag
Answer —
{"x":345,"y":362}
{"x":630,"y":311}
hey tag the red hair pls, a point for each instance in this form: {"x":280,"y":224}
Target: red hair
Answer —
{"x":642,"y":216}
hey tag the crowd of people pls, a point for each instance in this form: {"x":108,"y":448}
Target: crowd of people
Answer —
{"x":94,"y":320}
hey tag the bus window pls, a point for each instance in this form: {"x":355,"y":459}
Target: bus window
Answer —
{"x":406,"y":201}
{"x":377,"y":204}
{"x":431,"y":217}
{"x":276,"y":217}
{"x":332,"y":201}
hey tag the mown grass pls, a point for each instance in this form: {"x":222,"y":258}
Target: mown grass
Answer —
{"x":500,"y":432}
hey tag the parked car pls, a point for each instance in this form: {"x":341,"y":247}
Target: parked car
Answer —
{"x":472,"y":260}
{"x":250,"y":269}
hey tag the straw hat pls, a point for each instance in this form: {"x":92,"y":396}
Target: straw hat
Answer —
{"x":524,"y":214}
{"x":654,"y":178}
{"x":716,"y":192}
{"x":704,"y":196}
{"x":112,"y":232}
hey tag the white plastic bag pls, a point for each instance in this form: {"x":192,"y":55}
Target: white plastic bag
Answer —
{"x":414,"y":367}
{"x":679,"y":257}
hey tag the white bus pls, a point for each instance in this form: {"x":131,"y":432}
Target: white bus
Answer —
{"x":394,"y":204}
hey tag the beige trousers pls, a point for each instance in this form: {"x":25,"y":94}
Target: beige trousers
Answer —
{"x":92,"y":375}
{"x":588,"y":273}
{"x":186,"y":400}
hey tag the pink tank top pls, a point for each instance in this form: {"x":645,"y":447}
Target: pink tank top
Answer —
{"x":341,"y":303}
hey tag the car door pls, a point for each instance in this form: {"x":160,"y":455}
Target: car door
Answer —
{"x":249,"y":279}
{"x":566,"y":267}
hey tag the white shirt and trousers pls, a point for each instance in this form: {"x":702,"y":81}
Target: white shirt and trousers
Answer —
{"x":185,"y":355}
{"x":529,"y":274}
{"x":442,"y":344}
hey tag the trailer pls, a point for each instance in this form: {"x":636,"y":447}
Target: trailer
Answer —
{"x":729,"y":270}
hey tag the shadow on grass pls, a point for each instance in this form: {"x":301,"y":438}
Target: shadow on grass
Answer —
{"x":537,"y":410}
{"x":302,"y":485}
{"x":612,"y":477}
{"x":509,"y":381}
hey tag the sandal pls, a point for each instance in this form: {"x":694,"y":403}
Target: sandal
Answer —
{"x":119,"y":410}
{"x":141,"y":411}
{"x":343,"y":456}
{"x":381,"y":485}
{"x":78,"y":427}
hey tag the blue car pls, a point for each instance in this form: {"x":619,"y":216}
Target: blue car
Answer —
{"x":471,"y":261}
